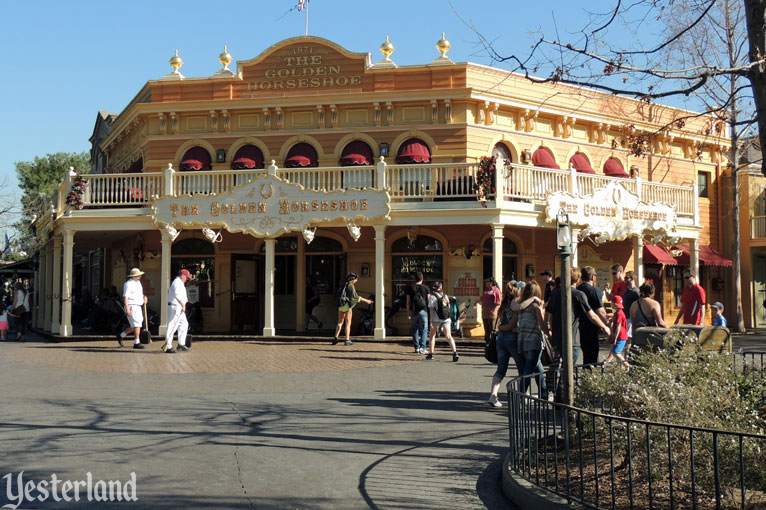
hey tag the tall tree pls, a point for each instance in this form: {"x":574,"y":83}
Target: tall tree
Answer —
{"x":38,"y":179}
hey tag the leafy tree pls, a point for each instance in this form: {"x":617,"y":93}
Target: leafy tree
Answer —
{"x":38,"y":179}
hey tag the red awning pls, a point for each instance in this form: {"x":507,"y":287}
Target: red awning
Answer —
{"x":191,"y":164}
{"x":196,"y":158}
{"x":414,"y":150}
{"x":657,"y":255}
{"x":581,"y":163}
{"x":543,"y":158}
{"x":301,"y":155}
{"x":356,"y":153}
{"x":708,"y":256}
{"x":613,"y":168}
{"x":247,"y":157}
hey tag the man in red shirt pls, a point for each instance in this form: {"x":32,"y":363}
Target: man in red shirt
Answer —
{"x":619,"y":283}
{"x":692,"y":301}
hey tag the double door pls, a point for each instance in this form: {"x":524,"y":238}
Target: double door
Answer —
{"x":246,"y":292}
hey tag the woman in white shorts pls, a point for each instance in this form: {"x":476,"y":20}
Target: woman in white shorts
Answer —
{"x":439,"y":307}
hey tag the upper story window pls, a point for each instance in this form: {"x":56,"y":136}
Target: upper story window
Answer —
{"x":356,"y":152}
{"x":502,"y":153}
{"x":613,"y":168}
{"x":544,"y":158}
{"x":581,"y":163}
{"x":703,"y":184}
{"x":301,"y":155}
{"x":196,"y":158}
{"x":414,"y":150}
{"x":247,"y":157}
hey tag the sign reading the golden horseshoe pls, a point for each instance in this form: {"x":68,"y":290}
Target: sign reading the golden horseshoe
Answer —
{"x":269,"y":206}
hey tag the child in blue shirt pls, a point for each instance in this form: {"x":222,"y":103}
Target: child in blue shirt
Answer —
{"x":718,"y":318}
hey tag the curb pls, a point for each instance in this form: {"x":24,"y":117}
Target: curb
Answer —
{"x":525,"y":494}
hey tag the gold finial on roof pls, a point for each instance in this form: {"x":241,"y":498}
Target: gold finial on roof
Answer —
{"x":225,"y":58}
{"x":387,"y":49}
{"x":176,"y":62}
{"x":443,"y":45}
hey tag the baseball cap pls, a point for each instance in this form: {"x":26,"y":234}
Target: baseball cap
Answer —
{"x":547,"y":272}
{"x":618,"y":302}
{"x":718,"y":305}
{"x":186,"y":273}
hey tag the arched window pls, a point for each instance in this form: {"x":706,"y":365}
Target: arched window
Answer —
{"x":247,"y":157}
{"x":301,"y":155}
{"x":356,"y":152}
{"x":503,"y":154}
{"x":543,"y":157}
{"x":196,"y":158}
{"x":510,"y":259}
{"x":581,"y":163}
{"x":411,"y":254}
{"x":324,"y":244}
{"x":413,"y":150}
{"x":196,"y":255}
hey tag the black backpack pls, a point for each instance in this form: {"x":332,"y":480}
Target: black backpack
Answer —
{"x":341,"y":298}
{"x":442,"y":306}
{"x":418,"y":301}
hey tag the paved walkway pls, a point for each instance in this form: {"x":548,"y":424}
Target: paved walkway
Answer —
{"x":255,"y":424}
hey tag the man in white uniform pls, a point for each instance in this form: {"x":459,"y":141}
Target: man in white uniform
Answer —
{"x":133,"y":299}
{"x":177,"y":300}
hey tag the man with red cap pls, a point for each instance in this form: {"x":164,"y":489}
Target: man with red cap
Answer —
{"x":177,"y":300}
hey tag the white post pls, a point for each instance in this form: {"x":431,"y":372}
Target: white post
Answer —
{"x":638,"y":259}
{"x":47,"y":314}
{"x":696,"y":203}
{"x":575,"y":241}
{"x":66,"y":285}
{"x":300,"y":292}
{"x":68,"y":179}
{"x":166,"y":244}
{"x":573,"y":191}
{"x":639,"y":184}
{"x":694,"y":257}
{"x":380,"y":264}
{"x":169,"y":186}
{"x":56,"y":291}
{"x":499,"y":185}
{"x":268,"y":294}
{"x":497,"y":253}
{"x":380,"y":174}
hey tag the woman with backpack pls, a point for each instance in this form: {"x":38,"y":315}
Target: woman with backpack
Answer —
{"x":348,"y":299}
{"x":438,"y":304}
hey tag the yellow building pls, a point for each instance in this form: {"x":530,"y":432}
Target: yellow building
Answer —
{"x":311,"y":142}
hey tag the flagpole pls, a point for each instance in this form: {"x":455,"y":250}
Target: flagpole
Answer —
{"x":307,"y":17}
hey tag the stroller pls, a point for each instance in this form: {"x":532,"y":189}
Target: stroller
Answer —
{"x":456,"y":330}
{"x":367,"y":322}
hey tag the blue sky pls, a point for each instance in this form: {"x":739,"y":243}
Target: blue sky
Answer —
{"x":64,"y":61}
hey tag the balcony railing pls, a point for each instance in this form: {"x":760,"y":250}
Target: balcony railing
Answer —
{"x":405,"y":183}
{"x":758,"y":227}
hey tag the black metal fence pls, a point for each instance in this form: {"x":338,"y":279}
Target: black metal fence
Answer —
{"x":602,"y":461}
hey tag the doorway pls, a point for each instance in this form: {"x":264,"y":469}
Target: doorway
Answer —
{"x":245,"y":293}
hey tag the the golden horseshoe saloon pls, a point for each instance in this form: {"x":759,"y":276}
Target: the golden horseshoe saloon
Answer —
{"x":271,"y":182}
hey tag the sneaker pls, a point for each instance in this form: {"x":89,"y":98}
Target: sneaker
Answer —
{"x":423,"y":351}
{"x":494,"y":402}
{"x":455,"y":357}
{"x":335,"y":341}
{"x":183,"y":348}
{"x":136,"y":346}
{"x":348,"y":342}
{"x":429,"y":357}
{"x":119,"y":340}
{"x":168,"y":351}
{"x":417,"y":350}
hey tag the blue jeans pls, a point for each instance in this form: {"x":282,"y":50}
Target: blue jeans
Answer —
{"x":507,"y":348}
{"x":420,"y":329}
{"x":532,"y":365}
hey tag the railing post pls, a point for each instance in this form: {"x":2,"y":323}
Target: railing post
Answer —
{"x":272,"y":168}
{"x":573,"y":180}
{"x":380,"y":174}
{"x":64,"y":188}
{"x":638,"y":187}
{"x":696,"y":198}
{"x":169,"y":188}
{"x":499,"y":186}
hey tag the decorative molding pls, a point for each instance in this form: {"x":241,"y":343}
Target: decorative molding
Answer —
{"x":377,"y":114}
{"x":434,"y":111}
{"x":389,"y":113}
{"x":448,"y":111}
{"x":320,"y":115}
{"x":334,"y":116}
{"x":163,"y":123}
{"x":226,"y":120}
{"x":213,"y":121}
{"x":280,"y":118}
{"x":267,"y":118}
{"x":174,"y":123}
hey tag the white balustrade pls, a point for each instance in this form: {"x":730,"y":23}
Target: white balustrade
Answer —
{"x":681,"y":198}
{"x":330,"y":178}
{"x":535,"y":183}
{"x":122,"y":189}
{"x":589,"y":183}
{"x":434,"y":180}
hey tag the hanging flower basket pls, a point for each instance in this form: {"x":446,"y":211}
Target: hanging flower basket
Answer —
{"x":74,"y":197}
{"x":485,"y":179}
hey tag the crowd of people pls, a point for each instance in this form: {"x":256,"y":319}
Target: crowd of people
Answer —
{"x":523,"y":317}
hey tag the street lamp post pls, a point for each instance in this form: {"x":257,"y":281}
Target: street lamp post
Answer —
{"x":564,"y":242}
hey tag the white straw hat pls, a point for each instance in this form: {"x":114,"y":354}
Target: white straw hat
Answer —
{"x":135,"y":272}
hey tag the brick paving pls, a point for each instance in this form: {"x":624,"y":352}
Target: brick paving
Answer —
{"x":219,"y":357}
